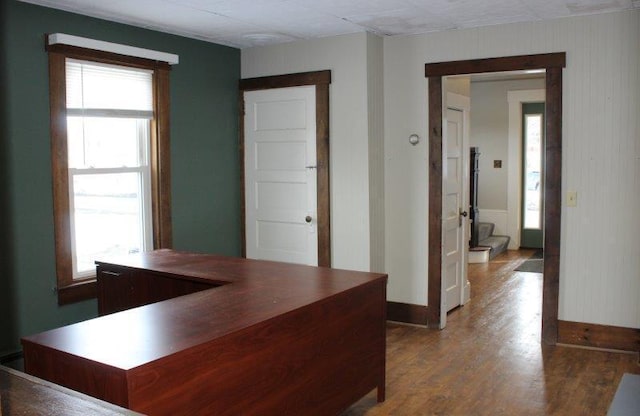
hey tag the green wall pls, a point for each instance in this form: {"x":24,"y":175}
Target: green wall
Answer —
{"x":204,"y":157}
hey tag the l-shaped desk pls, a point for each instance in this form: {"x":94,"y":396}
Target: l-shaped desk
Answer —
{"x":225,"y":336}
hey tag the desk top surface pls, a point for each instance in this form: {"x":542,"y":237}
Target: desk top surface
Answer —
{"x":22,"y":394}
{"x":249,"y":292}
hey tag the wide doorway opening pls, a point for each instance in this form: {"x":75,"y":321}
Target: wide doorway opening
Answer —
{"x":552,"y":64}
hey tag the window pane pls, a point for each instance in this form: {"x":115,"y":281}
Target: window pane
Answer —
{"x":533,"y":167}
{"x":94,"y":85}
{"x":107,"y":142}
{"x":108,"y":217}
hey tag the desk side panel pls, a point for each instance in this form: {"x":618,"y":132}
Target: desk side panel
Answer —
{"x":22,"y":394}
{"x":122,"y":288}
{"x":88,"y":377}
{"x":316,"y":360}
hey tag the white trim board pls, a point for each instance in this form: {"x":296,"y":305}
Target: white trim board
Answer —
{"x":100,"y":45}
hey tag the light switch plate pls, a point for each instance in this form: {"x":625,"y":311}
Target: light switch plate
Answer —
{"x":572,"y":199}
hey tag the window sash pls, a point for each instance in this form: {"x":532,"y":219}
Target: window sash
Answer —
{"x":146,"y":221}
{"x":142,"y":144}
{"x":128,"y":94}
{"x":97,"y":85}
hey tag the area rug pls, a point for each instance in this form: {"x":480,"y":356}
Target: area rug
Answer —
{"x":534,"y":264}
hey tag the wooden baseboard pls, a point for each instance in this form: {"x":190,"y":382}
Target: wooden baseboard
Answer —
{"x":599,"y":336}
{"x":407,"y":313}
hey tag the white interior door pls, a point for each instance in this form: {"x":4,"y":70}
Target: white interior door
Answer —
{"x":455,"y":286}
{"x":280,"y":175}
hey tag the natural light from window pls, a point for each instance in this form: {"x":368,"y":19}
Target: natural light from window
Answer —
{"x":533,"y":169}
{"x":109,"y":112}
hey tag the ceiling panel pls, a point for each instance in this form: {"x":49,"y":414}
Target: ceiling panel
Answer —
{"x":345,"y":9}
{"x":246,"y":23}
{"x":403,"y":21}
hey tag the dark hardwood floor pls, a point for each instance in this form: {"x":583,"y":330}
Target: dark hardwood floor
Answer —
{"x":489,"y":359}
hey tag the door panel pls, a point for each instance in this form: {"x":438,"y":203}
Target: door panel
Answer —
{"x":281,"y":114}
{"x":280,"y":175}
{"x":453,"y":249}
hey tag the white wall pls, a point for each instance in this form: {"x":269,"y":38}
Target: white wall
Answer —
{"x":490,"y":132}
{"x":346,"y":57}
{"x":600,"y":251}
{"x":460,"y":85}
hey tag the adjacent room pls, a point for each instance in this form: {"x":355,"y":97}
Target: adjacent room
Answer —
{"x":343,"y":207}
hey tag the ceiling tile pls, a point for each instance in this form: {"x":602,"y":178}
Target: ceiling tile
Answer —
{"x":287,"y":17}
{"x":402,"y":21}
{"x":596,"y":6}
{"x":342,"y":8}
{"x":550,"y":9}
{"x":472,"y":13}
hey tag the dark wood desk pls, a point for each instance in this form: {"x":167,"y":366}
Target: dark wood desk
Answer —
{"x":268,"y":339}
{"x":22,"y":394}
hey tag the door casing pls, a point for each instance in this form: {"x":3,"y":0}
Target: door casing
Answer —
{"x":552,"y":63}
{"x":321,"y":80}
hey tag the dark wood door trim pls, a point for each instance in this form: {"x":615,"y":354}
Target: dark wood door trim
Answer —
{"x":321,"y":80}
{"x":552,"y":205}
{"x":284,"y":81}
{"x":506,"y":63}
{"x":434,"y":267}
{"x":553,"y":64}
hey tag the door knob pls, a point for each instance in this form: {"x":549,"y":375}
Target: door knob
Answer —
{"x":462,"y":214}
{"x":308,"y":218}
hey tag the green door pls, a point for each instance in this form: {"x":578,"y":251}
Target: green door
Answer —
{"x":532,"y":175}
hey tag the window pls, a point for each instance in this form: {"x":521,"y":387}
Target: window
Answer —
{"x":109,"y":127}
{"x":533,"y":140}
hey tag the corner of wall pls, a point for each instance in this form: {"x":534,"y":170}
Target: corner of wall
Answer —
{"x":375,"y":125}
{"x":8,"y":315}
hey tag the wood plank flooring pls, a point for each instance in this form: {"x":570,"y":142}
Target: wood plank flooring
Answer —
{"x":489,"y":359}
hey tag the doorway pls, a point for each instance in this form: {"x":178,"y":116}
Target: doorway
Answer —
{"x":552,"y":64}
{"x":320,"y":80}
{"x":279,"y":171}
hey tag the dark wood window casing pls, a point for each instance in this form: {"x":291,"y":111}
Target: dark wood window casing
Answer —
{"x":68,"y":289}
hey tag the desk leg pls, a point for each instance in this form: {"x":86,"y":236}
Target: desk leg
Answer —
{"x":382,"y":384}
{"x":381,"y":393}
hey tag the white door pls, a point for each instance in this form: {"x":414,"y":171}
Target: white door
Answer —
{"x":455,"y":286}
{"x":280,"y":175}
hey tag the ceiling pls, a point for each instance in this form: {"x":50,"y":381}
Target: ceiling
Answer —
{"x":248,"y":23}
